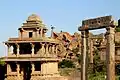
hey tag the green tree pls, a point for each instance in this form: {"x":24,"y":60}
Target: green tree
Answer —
{"x":78,"y":56}
{"x":99,"y":67}
{"x":117,"y":29}
{"x":66,"y":64}
{"x":2,"y":63}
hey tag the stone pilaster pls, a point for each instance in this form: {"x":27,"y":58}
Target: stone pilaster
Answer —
{"x":33,"y":46}
{"x":110,"y":52}
{"x":84,"y":53}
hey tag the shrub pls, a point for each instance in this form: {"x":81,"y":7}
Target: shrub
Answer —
{"x":66,"y":64}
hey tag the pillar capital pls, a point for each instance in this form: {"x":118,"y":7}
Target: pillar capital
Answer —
{"x":17,"y":45}
{"x":37,"y":28}
{"x":8,"y":48}
{"x":32,"y":44}
{"x":85,"y":34}
{"x":42,"y":44}
{"x":8,"y":45}
{"x":110,"y":30}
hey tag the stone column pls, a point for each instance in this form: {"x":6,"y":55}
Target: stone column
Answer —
{"x":42,"y":49}
{"x":33,"y":67}
{"x":56,"y":48}
{"x":53,"y":49}
{"x":84,"y":50}
{"x":9,"y":49}
{"x":110,"y":52}
{"x":8,"y":68}
{"x":50,"y":49}
{"x":46,"y":50}
{"x":18,"y":70}
{"x":33,"y":46}
{"x":18,"y":49}
{"x":37,"y":32}
{"x":41,"y":32}
{"x":91,"y":51}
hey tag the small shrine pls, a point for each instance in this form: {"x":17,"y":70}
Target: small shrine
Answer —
{"x":32,"y":56}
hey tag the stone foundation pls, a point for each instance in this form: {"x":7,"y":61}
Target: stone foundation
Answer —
{"x":15,"y":77}
{"x":48,"y":78}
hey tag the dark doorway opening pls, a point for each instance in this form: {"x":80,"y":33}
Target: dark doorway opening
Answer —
{"x":30,"y":34}
{"x":26,"y":71}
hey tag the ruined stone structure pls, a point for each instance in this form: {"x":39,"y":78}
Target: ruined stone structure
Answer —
{"x":102,"y":48}
{"x":68,"y":43}
{"x":97,"y":23}
{"x":32,"y":56}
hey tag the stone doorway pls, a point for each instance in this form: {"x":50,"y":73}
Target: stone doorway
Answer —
{"x":26,"y":70}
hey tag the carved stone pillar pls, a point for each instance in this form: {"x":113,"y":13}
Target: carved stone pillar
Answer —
{"x":33,"y":46}
{"x":18,"y":49}
{"x":91,"y":51}
{"x":9,"y":49}
{"x":42,"y":49}
{"x":56,"y":48}
{"x":18,"y":70}
{"x":110,"y":52}
{"x":37,"y":32}
{"x":41,"y":32}
{"x":8,"y":68}
{"x":53,"y":49}
{"x":33,"y":67}
{"x":46,"y":50}
{"x":50,"y":49}
{"x":84,"y":51}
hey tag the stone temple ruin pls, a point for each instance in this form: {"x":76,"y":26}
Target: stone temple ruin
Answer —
{"x":98,"y":23}
{"x":32,"y":56}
